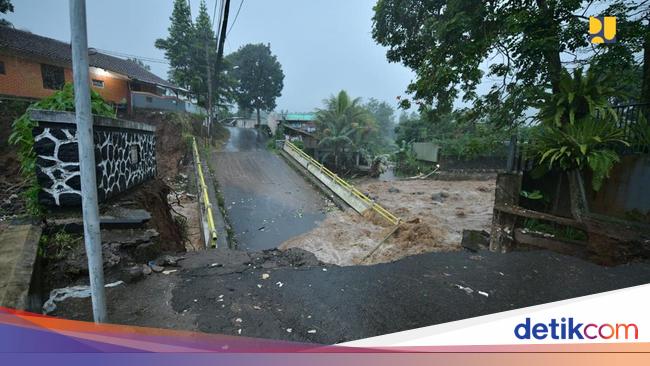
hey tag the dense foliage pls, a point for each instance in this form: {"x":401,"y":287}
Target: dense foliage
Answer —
{"x":456,"y":135}
{"x":526,"y":43}
{"x":191,"y":50}
{"x":23,"y":138}
{"x":579,"y":129}
{"x":346,"y":128}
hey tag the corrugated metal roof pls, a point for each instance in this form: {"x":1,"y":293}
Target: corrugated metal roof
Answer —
{"x":33,"y":45}
{"x":300,"y":117}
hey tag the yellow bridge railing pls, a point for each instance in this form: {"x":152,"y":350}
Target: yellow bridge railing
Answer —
{"x":206,"y":198}
{"x":347,"y":186}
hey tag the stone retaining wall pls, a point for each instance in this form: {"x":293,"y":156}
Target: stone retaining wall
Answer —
{"x":125,"y":156}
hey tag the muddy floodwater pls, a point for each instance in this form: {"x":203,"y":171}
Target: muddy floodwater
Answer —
{"x":434,"y":214}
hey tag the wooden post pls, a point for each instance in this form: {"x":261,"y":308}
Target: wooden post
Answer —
{"x":503,"y":224}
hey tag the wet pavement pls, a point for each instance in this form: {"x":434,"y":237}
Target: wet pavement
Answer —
{"x":267,"y":202}
{"x":290,"y":295}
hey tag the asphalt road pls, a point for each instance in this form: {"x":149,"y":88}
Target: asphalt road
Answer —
{"x":267,"y":202}
{"x":289,"y":295}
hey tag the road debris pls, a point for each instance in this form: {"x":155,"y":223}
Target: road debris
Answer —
{"x":265,"y":276}
{"x":156,"y":268}
{"x":468,"y":290}
{"x":60,"y":294}
{"x":170,"y":271}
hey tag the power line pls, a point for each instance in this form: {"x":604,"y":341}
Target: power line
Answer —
{"x":128,"y":55}
{"x":223,"y":4}
{"x":236,"y":15}
{"x":214,"y":13}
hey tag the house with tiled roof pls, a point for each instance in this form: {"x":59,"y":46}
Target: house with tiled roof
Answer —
{"x":33,"y":67}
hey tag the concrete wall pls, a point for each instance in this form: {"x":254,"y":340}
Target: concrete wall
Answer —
{"x":626,"y":190}
{"x":125,"y":155}
{"x":356,"y":203}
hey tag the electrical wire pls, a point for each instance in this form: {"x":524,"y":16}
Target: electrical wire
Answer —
{"x":214,"y":13}
{"x":128,"y":55}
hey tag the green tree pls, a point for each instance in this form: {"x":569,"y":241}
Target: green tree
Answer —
{"x":140,"y":63}
{"x":526,"y":43}
{"x":259,"y":77}
{"x":178,"y":45}
{"x":344,"y":126}
{"x":384,"y":115}
{"x":5,"y":6}
{"x":204,"y":55}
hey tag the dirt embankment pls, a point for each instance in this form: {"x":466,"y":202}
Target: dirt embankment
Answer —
{"x":434,"y":214}
{"x":175,"y":216}
{"x":172,"y":150}
{"x":11,"y":181}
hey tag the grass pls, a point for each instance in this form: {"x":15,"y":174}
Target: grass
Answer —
{"x":56,"y":246}
{"x":558,"y":231}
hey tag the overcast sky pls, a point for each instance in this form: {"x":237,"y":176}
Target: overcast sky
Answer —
{"x":323,"y":45}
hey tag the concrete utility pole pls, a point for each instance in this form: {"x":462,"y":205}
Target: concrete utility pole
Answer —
{"x":85,"y":141}
{"x":209,"y":104}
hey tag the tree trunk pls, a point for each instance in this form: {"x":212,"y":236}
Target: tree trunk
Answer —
{"x":258,"y":117}
{"x":336,"y":158}
{"x":551,"y":51}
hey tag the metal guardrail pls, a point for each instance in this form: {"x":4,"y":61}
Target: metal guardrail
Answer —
{"x":206,"y":198}
{"x":394,"y":220}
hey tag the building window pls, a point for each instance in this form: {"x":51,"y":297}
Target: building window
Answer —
{"x":2,"y":68}
{"x":149,"y":99}
{"x":98,"y":83}
{"x":53,"y":77}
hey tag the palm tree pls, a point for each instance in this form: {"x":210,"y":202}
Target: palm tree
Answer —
{"x":342,"y":125}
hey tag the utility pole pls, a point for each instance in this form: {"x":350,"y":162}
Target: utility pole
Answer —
{"x":86,"y":144}
{"x":222,"y":37}
{"x":209,"y":104}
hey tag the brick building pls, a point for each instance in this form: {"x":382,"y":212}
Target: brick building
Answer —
{"x":33,"y":67}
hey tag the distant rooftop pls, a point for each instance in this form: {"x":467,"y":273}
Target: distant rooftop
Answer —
{"x":32,"y":45}
{"x":306,"y":117}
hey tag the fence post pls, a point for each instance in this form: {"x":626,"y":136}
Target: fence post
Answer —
{"x":512,"y":154}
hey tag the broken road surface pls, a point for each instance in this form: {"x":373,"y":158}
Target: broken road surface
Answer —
{"x":290,"y":295}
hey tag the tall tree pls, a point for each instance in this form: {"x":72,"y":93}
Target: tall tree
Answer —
{"x":5,"y":7}
{"x":259,"y":77}
{"x":384,"y":115}
{"x":178,"y":44}
{"x":526,"y":44}
{"x":204,"y":55}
